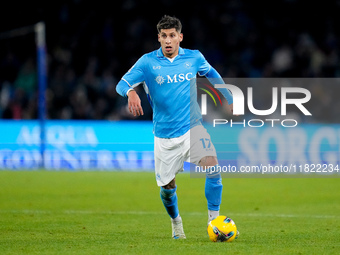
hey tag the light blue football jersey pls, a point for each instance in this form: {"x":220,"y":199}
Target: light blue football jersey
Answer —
{"x":169,"y":86}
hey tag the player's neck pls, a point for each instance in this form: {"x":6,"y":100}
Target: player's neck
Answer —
{"x":171,"y":56}
{"x":172,"y":59}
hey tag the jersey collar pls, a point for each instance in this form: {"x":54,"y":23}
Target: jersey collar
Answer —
{"x":161,"y":55}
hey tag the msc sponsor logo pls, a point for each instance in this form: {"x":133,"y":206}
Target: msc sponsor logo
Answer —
{"x":173,"y":78}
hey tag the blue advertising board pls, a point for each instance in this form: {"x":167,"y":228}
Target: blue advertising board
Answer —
{"x":106,"y":145}
{"x":77,"y":145}
{"x":307,"y":144}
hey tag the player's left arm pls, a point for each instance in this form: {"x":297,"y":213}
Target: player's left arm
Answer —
{"x":205,"y":69}
{"x":215,"y":78}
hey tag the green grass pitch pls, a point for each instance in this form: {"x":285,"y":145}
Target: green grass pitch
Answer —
{"x":45,"y":212}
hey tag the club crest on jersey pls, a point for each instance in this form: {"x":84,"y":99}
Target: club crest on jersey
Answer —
{"x":160,"y":79}
{"x":187,"y":64}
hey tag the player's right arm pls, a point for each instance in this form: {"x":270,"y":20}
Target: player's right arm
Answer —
{"x":134,"y":103}
{"x":126,"y":85}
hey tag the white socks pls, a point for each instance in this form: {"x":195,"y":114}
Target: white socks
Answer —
{"x":178,"y":218}
{"x":212,"y":215}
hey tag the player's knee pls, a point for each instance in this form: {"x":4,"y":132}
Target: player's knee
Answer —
{"x":208,"y":161}
{"x":170,"y":185}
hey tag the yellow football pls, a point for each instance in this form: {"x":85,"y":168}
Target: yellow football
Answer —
{"x":222,"y":229}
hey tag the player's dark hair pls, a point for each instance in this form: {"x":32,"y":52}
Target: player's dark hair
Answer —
{"x":168,"y":22}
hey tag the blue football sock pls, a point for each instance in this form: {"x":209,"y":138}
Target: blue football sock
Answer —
{"x":213,"y":191}
{"x":169,"y":198}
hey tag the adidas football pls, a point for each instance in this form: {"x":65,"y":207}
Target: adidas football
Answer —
{"x":222,"y":229}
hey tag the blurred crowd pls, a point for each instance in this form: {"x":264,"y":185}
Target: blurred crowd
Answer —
{"x":91,"y":45}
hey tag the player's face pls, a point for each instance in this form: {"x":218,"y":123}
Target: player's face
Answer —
{"x":170,"y":39}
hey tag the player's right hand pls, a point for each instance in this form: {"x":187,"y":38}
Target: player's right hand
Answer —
{"x":134,"y":104}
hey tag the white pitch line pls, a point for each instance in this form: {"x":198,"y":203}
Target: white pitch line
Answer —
{"x":231,"y":214}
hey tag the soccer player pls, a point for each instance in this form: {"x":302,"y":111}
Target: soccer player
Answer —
{"x":167,"y":75}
